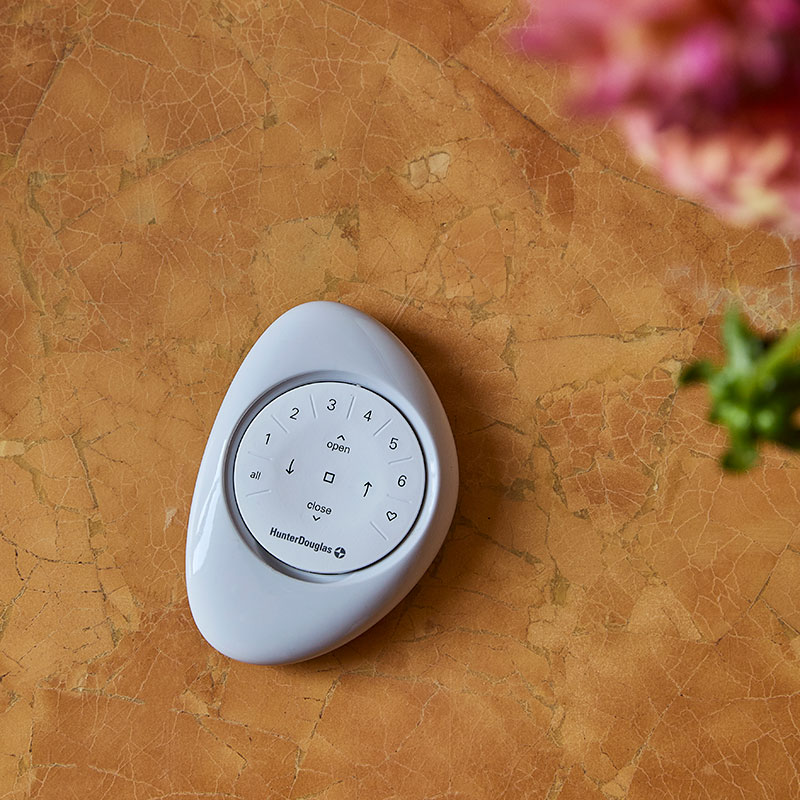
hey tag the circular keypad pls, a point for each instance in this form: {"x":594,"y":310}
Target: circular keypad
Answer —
{"x":329,"y":477}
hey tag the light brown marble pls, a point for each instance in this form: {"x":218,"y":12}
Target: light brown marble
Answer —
{"x":610,"y":616}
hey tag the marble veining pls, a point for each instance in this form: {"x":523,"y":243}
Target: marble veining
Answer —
{"x":610,"y":618}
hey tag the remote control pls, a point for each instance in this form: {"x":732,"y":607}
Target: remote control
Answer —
{"x":326,"y":488}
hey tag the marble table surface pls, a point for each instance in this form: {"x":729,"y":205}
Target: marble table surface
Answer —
{"x":610,"y":617}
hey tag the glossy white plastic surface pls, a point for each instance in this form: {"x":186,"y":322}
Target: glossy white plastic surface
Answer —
{"x":247,"y":602}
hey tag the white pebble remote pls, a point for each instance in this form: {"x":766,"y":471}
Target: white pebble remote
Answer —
{"x":327,"y":486}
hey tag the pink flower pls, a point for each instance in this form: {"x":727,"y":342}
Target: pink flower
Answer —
{"x":706,"y":91}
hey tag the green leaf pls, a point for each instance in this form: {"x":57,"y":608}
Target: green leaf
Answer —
{"x":697,"y":372}
{"x":755,"y":393}
{"x":742,"y":346}
{"x":739,"y":458}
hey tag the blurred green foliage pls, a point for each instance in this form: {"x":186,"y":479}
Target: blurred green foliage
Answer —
{"x":755,"y":393}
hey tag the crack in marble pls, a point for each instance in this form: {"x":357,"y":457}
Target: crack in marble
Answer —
{"x":608,"y":618}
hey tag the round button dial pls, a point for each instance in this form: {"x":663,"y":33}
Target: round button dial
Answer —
{"x":329,"y":477}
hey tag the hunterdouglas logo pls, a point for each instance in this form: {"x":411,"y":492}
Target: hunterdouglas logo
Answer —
{"x":319,"y":547}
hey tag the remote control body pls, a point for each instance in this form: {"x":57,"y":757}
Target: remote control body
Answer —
{"x":327,"y":486}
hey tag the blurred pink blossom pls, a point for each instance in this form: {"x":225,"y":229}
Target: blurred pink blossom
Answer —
{"x":707,"y":91}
